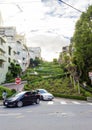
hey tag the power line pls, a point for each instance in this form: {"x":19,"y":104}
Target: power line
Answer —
{"x":18,"y":2}
{"x":70,"y":5}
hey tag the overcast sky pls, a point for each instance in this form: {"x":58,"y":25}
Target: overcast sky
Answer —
{"x":48,"y":24}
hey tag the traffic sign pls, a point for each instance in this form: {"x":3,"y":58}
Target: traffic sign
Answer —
{"x":17,"y":80}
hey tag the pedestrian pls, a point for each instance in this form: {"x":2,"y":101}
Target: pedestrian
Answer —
{"x":4,"y":94}
{"x":84,"y":84}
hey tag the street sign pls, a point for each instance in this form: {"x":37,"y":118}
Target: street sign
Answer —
{"x":17,"y":80}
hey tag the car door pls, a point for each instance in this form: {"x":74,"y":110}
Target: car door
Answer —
{"x":33,"y":96}
{"x":27,"y":98}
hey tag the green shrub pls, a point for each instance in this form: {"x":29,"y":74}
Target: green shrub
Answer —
{"x":9,"y":92}
{"x":13,"y":91}
{"x":70,"y":96}
{"x":9,"y":76}
{"x":53,"y":78}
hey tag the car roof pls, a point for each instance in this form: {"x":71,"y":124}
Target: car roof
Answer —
{"x":40,"y":89}
{"x":22,"y":92}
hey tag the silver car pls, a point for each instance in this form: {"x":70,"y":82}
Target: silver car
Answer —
{"x":45,"y":95}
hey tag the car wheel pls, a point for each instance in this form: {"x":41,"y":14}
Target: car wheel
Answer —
{"x":37,"y":101}
{"x":19,"y":104}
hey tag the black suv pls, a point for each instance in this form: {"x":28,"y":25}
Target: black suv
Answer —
{"x":22,"y":98}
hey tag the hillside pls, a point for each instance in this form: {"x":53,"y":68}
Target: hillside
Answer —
{"x":52,"y":77}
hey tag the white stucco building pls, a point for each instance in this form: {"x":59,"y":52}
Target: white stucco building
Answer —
{"x":15,"y":50}
{"x":34,"y":52}
{"x":22,"y":55}
{"x":3,"y":59}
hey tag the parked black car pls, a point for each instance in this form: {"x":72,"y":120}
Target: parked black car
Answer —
{"x":22,"y":98}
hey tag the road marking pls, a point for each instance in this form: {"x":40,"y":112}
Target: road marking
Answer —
{"x":89,"y":103}
{"x":63,"y":102}
{"x":50,"y":102}
{"x":75,"y":102}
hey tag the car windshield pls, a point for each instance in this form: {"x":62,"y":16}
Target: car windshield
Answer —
{"x":18,"y":94}
{"x":42,"y":91}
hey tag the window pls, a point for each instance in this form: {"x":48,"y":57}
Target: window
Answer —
{"x":23,"y":58}
{"x":9,"y":50}
{"x":18,"y":52}
{"x":1,"y":64}
{"x":9,"y":60}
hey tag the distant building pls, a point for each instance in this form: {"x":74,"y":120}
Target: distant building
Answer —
{"x":65,"y":49}
{"x":65,"y":52}
{"x":22,"y":55}
{"x":34,"y":52}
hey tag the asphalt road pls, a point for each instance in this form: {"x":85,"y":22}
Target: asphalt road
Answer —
{"x":59,"y":114}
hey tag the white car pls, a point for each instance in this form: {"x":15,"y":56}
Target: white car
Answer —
{"x":45,"y":95}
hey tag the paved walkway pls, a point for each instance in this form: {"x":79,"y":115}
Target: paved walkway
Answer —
{"x":17,"y":87}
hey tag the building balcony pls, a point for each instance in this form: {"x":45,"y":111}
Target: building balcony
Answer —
{"x":2,"y":39}
{"x":2,"y":48}
{"x":2,"y":58}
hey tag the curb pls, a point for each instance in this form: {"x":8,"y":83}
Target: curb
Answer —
{"x":89,"y":99}
{"x":13,"y":83}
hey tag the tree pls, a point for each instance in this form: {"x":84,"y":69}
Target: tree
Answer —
{"x":15,"y":69}
{"x":35,"y":62}
{"x":55,"y":61}
{"x":31,"y":63}
{"x":82,"y":41}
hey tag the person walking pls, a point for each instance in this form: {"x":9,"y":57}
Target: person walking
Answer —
{"x":4,"y":94}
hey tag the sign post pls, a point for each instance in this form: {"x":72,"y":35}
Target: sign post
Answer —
{"x":17,"y":81}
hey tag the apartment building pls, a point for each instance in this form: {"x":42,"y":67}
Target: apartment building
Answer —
{"x":15,"y":50}
{"x":3,"y":59}
{"x":65,"y":49}
{"x":22,"y":55}
{"x":25,"y":58}
{"x":34,"y":52}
